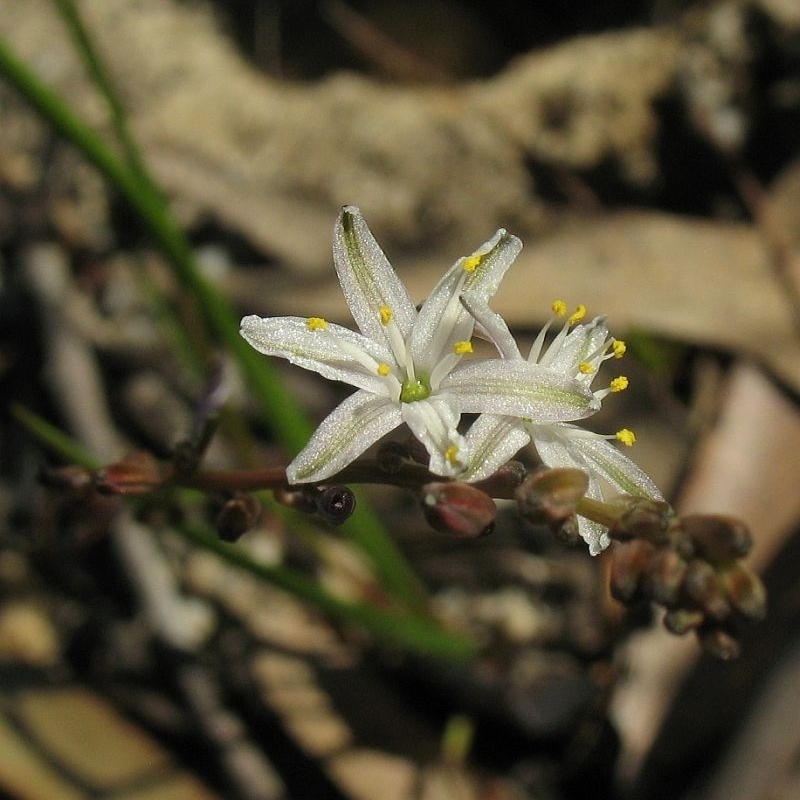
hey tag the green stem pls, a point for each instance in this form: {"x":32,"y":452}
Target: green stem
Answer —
{"x":99,"y":74}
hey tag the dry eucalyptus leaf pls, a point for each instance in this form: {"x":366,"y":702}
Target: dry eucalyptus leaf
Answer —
{"x":274,"y":160}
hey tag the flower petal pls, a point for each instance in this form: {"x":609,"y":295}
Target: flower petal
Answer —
{"x":368,"y":281}
{"x":334,"y":352}
{"x":493,"y":326}
{"x":435,"y":423}
{"x":442,"y":320}
{"x":490,"y":442}
{"x":582,"y":343}
{"x":519,"y":389}
{"x":607,"y":461}
{"x":568,"y":446}
{"x":352,"y":427}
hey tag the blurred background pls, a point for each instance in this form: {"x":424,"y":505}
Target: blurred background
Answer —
{"x":645,"y":152}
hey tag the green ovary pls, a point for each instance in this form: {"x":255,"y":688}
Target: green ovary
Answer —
{"x":418,"y":389}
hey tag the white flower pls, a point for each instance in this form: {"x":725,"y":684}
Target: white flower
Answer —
{"x":407,"y":364}
{"x":575,"y":353}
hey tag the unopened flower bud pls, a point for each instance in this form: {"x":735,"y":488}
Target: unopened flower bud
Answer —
{"x":550,"y":496}
{"x":628,"y":568}
{"x":683,"y":620}
{"x":702,"y":586}
{"x":237,"y":516}
{"x":717,"y":538}
{"x":335,"y":504}
{"x":137,"y":473}
{"x":667,"y":572}
{"x":641,"y":518}
{"x":458,"y":509}
{"x":745,"y":591}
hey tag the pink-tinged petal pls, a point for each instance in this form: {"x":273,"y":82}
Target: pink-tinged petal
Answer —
{"x":442,"y":320}
{"x":350,"y":429}
{"x":368,"y":281}
{"x":519,"y":389}
{"x":490,"y":442}
{"x":332,"y":351}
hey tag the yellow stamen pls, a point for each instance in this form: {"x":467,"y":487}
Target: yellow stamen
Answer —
{"x":383,"y":369}
{"x":462,"y":348}
{"x":618,"y":347}
{"x":619,"y":384}
{"x":471,"y":263}
{"x":578,"y":314}
{"x":585,"y":368}
{"x":451,"y":454}
{"x":559,"y":308}
{"x":627,"y":437}
{"x":386,"y":315}
{"x":316,"y":324}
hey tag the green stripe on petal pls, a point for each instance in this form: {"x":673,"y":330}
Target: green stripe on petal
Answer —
{"x":352,"y":427}
{"x":519,"y":389}
{"x":369,"y":283}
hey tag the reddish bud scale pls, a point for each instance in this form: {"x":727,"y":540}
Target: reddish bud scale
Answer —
{"x":458,"y":509}
{"x":137,"y":473}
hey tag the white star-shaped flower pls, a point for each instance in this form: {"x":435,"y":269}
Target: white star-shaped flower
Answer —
{"x":407,"y":364}
{"x":575,"y":353}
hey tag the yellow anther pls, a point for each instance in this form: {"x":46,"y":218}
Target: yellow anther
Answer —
{"x":386,"y":315}
{"x":585,"y":368}
{"x":462,"y":348}
{"x":451,"y":454}
{"x":471,"y":263}
{"x":578,"y":314}
{"x":316,"y":324}
{"x":618,"y":347}
{"x":559,"y":308}
{"x":627,"y":437}
{"x":619,"y":384}
{"x":383,"y":369}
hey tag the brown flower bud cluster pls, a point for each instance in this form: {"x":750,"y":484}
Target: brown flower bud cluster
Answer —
{"x":691,"y":566}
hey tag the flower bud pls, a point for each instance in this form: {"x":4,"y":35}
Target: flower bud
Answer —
{"x":667,"y":572}
{"x":237,"y":516}
{"x":458,"y":509}
{"x":550,"y":496}
{"x":642,"y":518}
{"x":630,"y":562}
{"x":745,"y":591}
{"x":335,"y":504}
{"x":137,"y":473}
{"x":702,"y":586}
{"x":717,"y":538}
